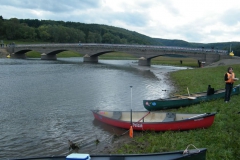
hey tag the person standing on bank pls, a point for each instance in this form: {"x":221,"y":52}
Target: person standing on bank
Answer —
{"x":229,"y":80}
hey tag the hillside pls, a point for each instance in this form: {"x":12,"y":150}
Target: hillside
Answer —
{"x":34,"y":30}
{"x":181,"y":43}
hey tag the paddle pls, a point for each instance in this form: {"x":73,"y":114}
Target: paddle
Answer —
{"x":188,"y":92}
{"x":143,"y":116}
{"x":131,"y":129}
{"x":189,"y":97}
{"x":197,"y":116}
{"x":182,"y":96}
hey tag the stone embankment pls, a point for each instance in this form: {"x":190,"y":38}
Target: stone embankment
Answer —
{"x":225,"y":62}
{"x":3,"y":53}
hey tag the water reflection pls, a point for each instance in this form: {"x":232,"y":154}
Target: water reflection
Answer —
{"x":108,"y":128}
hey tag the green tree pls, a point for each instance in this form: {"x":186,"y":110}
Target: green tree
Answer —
{"x":108,"y":38}
{"x":11,"y":28}
{"x":94,"y":37}
{"x":123,"y":41}
{"x":98,"y":38}
{"x":43,"y":33}
{"x":117,"y":40}
{"x":1,"y":27}
{"x":26,"y":32}
{"x":81,"y":36}
{"x":91,"y":37}
{"x":236,"y":50}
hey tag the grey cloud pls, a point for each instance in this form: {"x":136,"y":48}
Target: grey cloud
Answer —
{"x":132,"y":19}
{"x":53,"y":6}
{"x":189,"y":33}
{"x":170,"y":7}
{"x":231,"y":17}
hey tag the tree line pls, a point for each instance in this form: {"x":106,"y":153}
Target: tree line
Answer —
{"x":68,"y":32}
{"x":34,"y":30}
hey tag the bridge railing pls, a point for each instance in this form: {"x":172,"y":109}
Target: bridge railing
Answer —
{"x":218,"y":51}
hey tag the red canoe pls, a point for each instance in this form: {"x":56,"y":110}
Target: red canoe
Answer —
{"x":156,"y":121}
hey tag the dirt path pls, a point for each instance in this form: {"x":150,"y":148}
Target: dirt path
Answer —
{"x":224,"y":62}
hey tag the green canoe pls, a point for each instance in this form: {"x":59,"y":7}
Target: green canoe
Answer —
{"x":186,"y":100}
{"x":192,"y":154}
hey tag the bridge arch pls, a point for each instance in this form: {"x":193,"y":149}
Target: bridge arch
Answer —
{"x":94,"y":57}
{"x":51,"y":55}
{"x":147,"y":61}
{"x":20,"y":54}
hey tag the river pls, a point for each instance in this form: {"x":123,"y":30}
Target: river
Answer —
{"x":45,"y":103}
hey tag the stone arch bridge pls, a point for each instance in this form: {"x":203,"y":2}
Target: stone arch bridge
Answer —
{"x":144,"y":53}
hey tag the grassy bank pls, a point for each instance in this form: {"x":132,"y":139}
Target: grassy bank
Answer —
{"x":222,"y":139}
{"x":65,"y":54}
{"x":174,"y":61}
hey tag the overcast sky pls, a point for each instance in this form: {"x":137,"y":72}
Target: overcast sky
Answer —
{"x":201,"y":21}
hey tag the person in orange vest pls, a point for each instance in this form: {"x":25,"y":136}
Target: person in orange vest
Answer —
{"x":229,"y":80}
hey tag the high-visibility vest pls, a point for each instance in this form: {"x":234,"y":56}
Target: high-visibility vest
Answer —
{"x":230,"y":79}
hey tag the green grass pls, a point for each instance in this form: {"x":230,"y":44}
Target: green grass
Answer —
{"x":65,"y":54}
{"x":222,"y":139}
{"x":174,"y":61}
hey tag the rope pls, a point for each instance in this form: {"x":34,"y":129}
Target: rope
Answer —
{"x":186,"y":150}
{"x":124,"y":133}
{"x":143,"y":117}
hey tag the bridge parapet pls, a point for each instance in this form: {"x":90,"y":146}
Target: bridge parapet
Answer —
{"x":119,"y":46}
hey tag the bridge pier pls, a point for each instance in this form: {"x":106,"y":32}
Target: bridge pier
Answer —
{"x":144,"y":62}
{"x":87,"y":58}
{"x":17,"y":56}
{"x":48,"y":57}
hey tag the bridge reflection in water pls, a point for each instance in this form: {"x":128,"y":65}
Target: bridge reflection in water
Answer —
{"x":144,"y":53}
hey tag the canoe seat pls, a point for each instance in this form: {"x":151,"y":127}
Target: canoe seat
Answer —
{"x":170,"y":117}
{"x":210,"y":90}
{"x":117,"y":115}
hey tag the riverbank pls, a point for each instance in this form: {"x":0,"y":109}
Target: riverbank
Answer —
{"x":3,"y":53}
{"x":225,"y":62}
{"x":220,"y":139}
